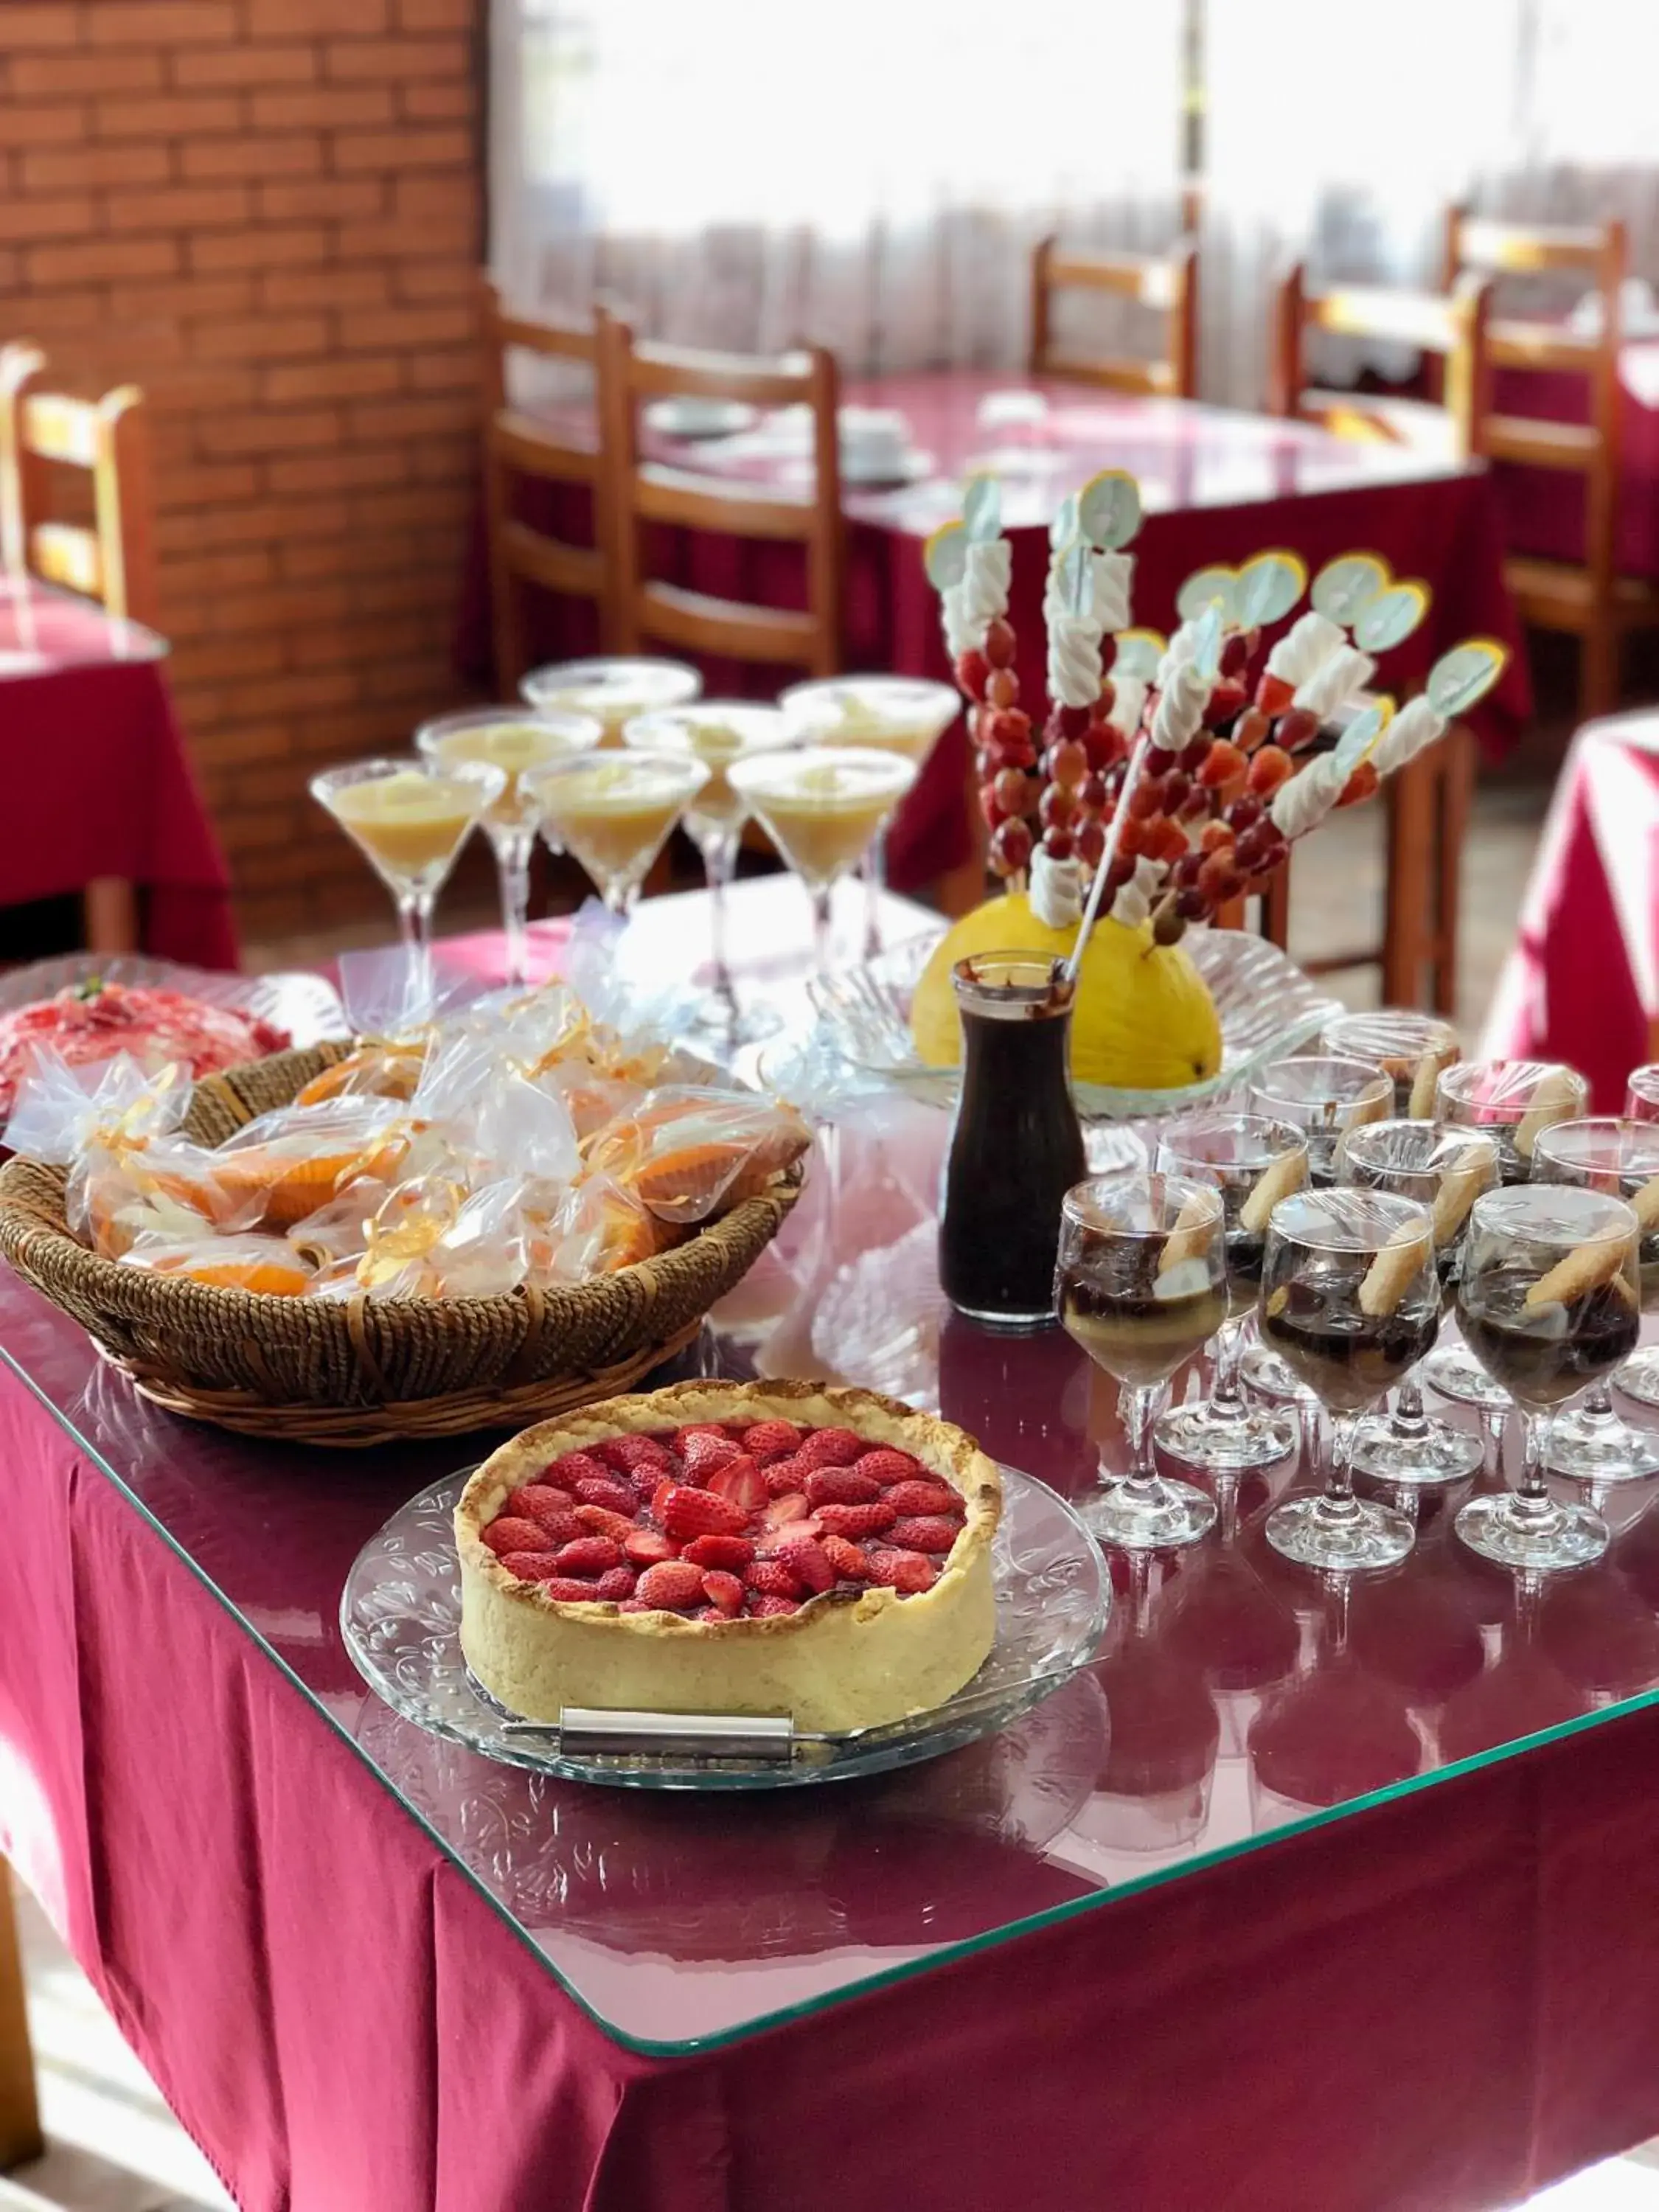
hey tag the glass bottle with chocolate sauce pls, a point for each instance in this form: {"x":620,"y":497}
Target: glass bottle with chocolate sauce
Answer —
{"x":1017,"y":1147}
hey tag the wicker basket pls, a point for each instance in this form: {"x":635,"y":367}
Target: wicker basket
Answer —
{"x":369,"y":1371}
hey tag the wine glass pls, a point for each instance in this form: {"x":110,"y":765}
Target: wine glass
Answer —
{"x":717,"y":732}
{"x":906,"y":714}
{"x":516,"y":740}
{"x":1351,"y":1298}
{"x":1642,"y":1093}
{"x":1513,"y":1100}
{"x":1253,"y":1162}
{"x":1140,"y":1282}
{"x":1413,"y":1050}
{"x":410,"y":818}
{"x":821,"y":806}
{"x":1591,"y":1443}
{"x":1550,"y":1300}
{"x":614,"y":811}
{"x":1322,"y":1095}
{"x":611,"y":689}
{"x":1446,"y":1170}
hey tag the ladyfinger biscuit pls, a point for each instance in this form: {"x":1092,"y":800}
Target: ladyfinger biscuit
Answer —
{"x":1584,"y":1269}
{"x":1394,"y":1268}
{"x":1277,"y":1180}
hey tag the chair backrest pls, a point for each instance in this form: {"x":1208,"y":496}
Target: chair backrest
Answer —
{"x":1451,"y":326}
{"x":517,"y":444}
{"x":1169,"y":282}
{"x":644,"y":493}
{"x":112,"y":558}
{"x":1599,"y":254}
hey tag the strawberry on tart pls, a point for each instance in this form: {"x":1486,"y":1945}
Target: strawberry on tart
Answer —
{"x":766,"y":1547}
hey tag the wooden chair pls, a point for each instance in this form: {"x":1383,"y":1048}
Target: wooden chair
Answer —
{"x":1427,"y":805}
{"x":20,"y":2119}
{"x":1452,"y":328}
{"x":516,"y":445}
{"x":1593,"y":603}
{"x":643,"y":493}
{"x":1428,"y":802}
{"x":111,"y":559}
{"x":1170,"y":282}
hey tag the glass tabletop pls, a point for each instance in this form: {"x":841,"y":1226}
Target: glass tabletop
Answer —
{"x":43,"y":629}
{"x":1042,"y":436}
{"x":1236,"y":1701}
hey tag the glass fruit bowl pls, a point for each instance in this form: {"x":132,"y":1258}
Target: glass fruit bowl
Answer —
{"x":1265,"y":1005}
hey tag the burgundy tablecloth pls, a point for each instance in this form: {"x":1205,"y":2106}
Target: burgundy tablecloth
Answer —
{"x":1438,"y":2005}
{"x":1217,"y":486}
{"x":1543,"y":509}
{"x":1582,"y":984}
{"x":99,"y":782}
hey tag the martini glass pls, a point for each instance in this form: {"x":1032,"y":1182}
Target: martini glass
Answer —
{"x":1514,"y":1101}
{"x":718,"y":732}
{"x":410,"y":818}
{"x":612,"y":691}
{"x":1414,"y":1050}
{"x":614,"y":811}
{"x":1253,"y":1162}
{"x":1550,"y":1299}
{"x":517,"y":741}
{"x":903,"y":715}
{"x":1592,"y":1444}
{"x":821,"y":806}
{"x":1446,"y":1170}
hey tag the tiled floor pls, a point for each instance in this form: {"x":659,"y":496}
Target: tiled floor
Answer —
{"x":114,"y":2147}
{"x":112,"y":2144}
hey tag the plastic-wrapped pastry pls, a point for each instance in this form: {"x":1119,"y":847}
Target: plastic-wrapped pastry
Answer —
{"x":268,"y":1265}
{"x":431,"y":1238}
{"x":691,"y":1153}
{"x":601,"y":1227}
{"x":114,"y":1126}
{"x":381,"y":1067}
{"x":287,"y":1164}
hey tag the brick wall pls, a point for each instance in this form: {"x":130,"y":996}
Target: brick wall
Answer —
{"x":268,"y":213}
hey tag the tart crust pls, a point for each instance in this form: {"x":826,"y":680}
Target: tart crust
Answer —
{"x":843,"y":1661}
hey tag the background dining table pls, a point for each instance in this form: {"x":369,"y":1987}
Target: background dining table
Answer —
{"x":1280,"y":1901}
{"x":1581,"y":982}
{"x":1216,"y":485}
{"x":98,"y":780}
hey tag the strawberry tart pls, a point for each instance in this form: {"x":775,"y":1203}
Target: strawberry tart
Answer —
{"x":767,"y":1547}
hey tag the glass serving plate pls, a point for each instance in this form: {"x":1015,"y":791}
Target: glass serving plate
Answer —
{"x":1265,"y":1004}
{"x":400,"y":1617}
{"x":305,"y":1005}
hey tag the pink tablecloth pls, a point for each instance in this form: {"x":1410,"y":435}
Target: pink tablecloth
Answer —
{"x":1217,"y":486}
{"x":1583,"y":982}
{"x":98,"y":780}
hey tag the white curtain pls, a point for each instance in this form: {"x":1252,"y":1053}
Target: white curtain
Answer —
{"x":1340,"y":136}
{"x":870,"y":173}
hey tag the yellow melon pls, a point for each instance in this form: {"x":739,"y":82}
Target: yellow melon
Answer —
{"x":1144,"y":1019}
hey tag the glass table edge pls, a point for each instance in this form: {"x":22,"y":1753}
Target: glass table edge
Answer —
{"x":884,"y":1977}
